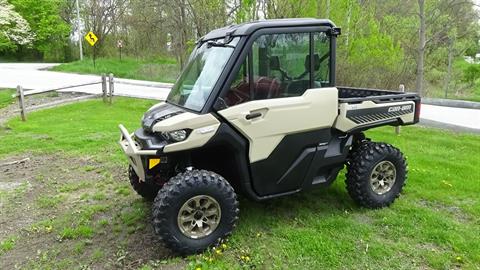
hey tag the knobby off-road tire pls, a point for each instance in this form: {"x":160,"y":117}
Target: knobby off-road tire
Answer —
{"x":184,"y":192}
{"x":143,"y":189}
{"x":370,"y":162}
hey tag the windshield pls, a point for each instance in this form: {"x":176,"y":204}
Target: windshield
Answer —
{"x":197,"y":80}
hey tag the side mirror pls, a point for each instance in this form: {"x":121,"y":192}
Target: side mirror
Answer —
{"x":220,"y":104}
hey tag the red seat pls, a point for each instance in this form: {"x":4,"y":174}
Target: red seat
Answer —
{"x":264,"y":88}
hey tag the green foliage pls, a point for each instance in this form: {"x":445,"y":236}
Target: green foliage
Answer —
{"x":51,"y":31}
{"x":471,"y":73}
{"x":158,"y":69}
{"x":367,"y":55}
{"x":14,"y":30}
{"x":371,"y":60}
{"x":291,"y":8}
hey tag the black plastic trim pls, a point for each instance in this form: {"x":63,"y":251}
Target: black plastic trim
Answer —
{"x":226,"y":136}
{"x":357,"y":95}
{"x":283,"y":170}
{"x":332,"y":60}
{"x":393,"y":122}
{"x":250,"y":27}
{"x":149,"y":141}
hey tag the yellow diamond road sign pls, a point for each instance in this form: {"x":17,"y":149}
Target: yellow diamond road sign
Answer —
{"x":91,"y":38}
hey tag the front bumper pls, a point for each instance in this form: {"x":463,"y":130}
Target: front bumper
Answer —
{"x":133,"y":151}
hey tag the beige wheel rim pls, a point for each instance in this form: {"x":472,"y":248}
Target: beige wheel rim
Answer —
{"x":199,"y":216}
{"x":383,"y":177}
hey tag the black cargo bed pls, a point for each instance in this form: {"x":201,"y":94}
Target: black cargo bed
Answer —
{"x":357,"y":95}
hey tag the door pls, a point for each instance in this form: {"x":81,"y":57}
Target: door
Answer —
{"x":281,"y":108}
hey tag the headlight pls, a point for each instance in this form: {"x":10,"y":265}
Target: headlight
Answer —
{"x":178,"y":135}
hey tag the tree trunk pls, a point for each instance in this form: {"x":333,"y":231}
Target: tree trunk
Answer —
{"x":449,"y":67}
{"x":328,"y":9}
{"x":349,"y":16}
{"x":421,"y":47}
{"x":183,"y":34}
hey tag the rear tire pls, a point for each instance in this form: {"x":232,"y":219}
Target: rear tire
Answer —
{"x":376,"y":174}
{"x":143,"y":189}
{"x":195,"y":210}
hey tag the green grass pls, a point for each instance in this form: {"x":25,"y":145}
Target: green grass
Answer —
{"x":7,"y":244}
{"x":6,"y":97}
{"x":434,"y":224}
{"x":94,"y":131}
{"x":49,"y":201}
{"x":161,"y":69}
{"x":82,"y":231}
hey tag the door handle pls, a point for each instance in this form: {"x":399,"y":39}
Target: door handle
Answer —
{"x":253,"y":115}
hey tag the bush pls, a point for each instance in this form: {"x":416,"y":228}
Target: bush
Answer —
{"x":471,"y":73}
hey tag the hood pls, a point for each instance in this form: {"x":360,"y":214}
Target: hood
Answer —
{"x":158,"y":113}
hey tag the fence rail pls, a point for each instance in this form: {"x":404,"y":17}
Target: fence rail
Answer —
{"x":107,"y":94}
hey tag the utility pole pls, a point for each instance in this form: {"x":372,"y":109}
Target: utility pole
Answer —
{"x":79,"y":33}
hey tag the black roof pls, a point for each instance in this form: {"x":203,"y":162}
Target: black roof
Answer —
{"x":250,"y":27}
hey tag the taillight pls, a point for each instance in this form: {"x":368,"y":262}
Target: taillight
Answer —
{"x":418,"y":106}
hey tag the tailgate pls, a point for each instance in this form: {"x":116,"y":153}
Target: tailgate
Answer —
{"x":357,"y":116}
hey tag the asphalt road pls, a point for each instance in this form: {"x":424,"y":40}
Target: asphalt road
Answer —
{"x":33,"y":76}
{"x":468,"y":119}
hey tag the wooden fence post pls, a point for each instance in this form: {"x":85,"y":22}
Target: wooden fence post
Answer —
{"x":111,"y":87}
{"x":401,"y":88}
{"x":104,"y":87}
{"x":21,"y":102}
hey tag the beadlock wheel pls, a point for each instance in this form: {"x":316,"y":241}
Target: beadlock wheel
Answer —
{"x":383,"y":177}
{"x":199,"y":216}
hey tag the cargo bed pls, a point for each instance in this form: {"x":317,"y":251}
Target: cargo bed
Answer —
{"x":362,"y":108}
{"x":353,"y":94}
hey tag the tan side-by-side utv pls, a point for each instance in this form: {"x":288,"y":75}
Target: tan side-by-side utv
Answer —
{"x":256,"y":111}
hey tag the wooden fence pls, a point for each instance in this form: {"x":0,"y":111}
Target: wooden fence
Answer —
{"x":107,"y":94}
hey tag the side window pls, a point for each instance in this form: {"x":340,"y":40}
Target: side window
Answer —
{"x":280,"y":67}
{"x":321,"y":60}
{"x":240,"y":88}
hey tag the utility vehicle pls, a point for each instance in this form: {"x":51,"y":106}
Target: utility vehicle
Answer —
{"x":256,"y":111}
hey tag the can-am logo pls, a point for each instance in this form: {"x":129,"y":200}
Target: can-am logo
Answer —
{"x":400,"y":108}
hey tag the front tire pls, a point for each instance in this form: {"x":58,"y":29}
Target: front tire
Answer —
{"x":194,"y":210}
{"x":143,"y":189}
{"x":376,"y":174}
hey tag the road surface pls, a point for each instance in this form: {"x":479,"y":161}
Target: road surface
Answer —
{"x":33,"y":76}
{"x":459,"y":119}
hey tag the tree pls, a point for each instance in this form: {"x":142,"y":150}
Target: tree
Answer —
{"x":14,"y":29}
{"x":102,"y":17}
{"x":51,"y":31}
{"x":421,"y":46}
